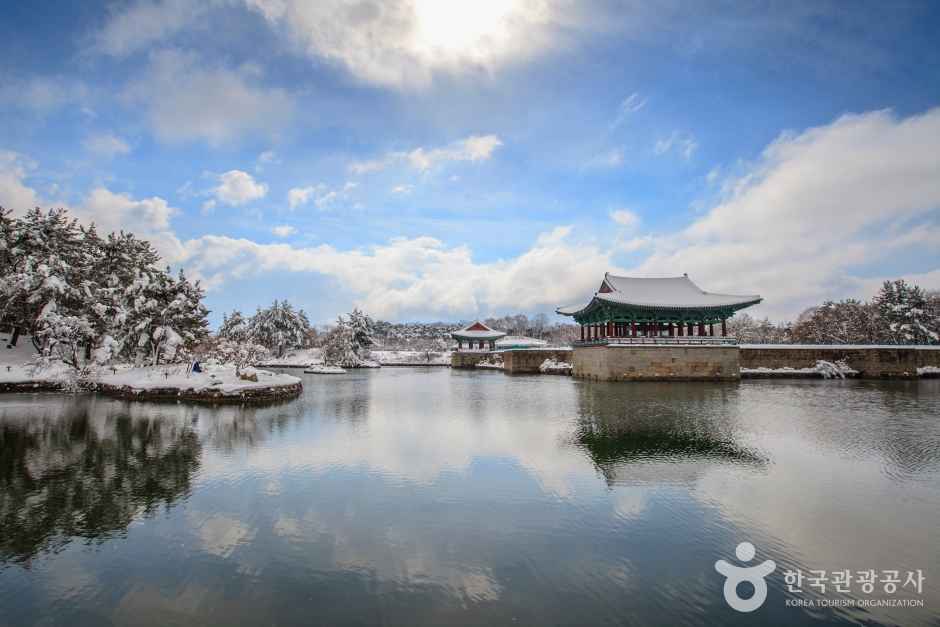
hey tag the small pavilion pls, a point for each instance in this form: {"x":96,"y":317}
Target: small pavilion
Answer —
{"x":624,"y":308}
{"x":476,"y":336}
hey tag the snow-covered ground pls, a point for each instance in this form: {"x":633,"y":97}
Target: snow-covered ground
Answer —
{"x":17,"y":363}
{"x":220,"y":378}
{"x":826,"y":369}
{"x":411,"y":357}
{"x":295,"y":359}
{"x":324,"y":369}
{"x":314,"y":356}
{"x":17,"y":366}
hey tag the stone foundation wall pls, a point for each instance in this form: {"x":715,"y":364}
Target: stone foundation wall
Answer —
{"x":14,"y":387}
{"x":656,"y":363}
{"x":467,"y":360}
{"x":871,"y":362}
{"x":527,"y":361}
{"x":248,"y":396}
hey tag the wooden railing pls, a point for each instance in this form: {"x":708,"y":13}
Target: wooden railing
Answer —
{"x":670,"y":341}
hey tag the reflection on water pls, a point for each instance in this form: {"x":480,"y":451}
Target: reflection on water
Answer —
{"x":429,"y":496}
{"x":68,"y":471}
{"x":658,"y":432}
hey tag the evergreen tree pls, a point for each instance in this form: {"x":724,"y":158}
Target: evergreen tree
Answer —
{"x":279,"y":328}
{"x":903,"y":315}
{"x":81,"y":296}
{"x":234,"y":327}
{"x":340,"y":348}
{"x":363,"y":330}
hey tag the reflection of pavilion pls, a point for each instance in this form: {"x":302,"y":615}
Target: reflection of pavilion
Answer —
{"x":632,"y":436}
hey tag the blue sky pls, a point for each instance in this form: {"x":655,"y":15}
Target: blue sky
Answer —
{"x":448,"y":160}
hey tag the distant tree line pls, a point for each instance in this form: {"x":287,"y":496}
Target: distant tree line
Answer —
{"x":900,"y":313}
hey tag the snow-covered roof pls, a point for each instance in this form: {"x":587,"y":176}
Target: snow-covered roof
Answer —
{"x":667,"y":292}
{"x":477,"y":331}
{"x":520,"y":341}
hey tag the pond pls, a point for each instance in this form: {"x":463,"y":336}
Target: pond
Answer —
{"x":430,"y":496}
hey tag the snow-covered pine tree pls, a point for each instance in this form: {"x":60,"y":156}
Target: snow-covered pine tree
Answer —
{"x":279,"y":328}
{"x":363,"y":330}
{"x":933,"y":316}
{"x":45,"y":270}
{"x":902,"y":313}
{"x":234,"y":327}
{"x":68,"y":287}
{"x":340,"y":347}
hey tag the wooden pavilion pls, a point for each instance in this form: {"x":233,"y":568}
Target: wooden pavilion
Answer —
{"x":638,"y":309}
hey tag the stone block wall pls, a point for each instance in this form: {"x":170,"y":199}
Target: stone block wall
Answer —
{"x":870,"y":362}
{"x":467,"y":360}
{"x":656,"y":363}
{"x":526,"y":361}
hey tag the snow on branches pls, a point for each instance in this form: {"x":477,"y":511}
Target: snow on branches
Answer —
{"x":87,"y":298}
{"x":279,"y":328}
{"x":348,"y":343}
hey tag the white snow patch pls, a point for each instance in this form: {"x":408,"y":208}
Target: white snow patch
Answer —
{"x":222,"y":378}
{"x":325,"y":370}
{"x":552,"y":365}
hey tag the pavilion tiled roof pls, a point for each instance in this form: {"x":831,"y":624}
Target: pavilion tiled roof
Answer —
{"x":660,"y":293}
{"x":477,"y":331}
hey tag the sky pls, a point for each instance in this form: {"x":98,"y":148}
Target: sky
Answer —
{"x":448,"y":160}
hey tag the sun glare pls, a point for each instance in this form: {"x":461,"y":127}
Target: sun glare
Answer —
{"x":478,"y":30}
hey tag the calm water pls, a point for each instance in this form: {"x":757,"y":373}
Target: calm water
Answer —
{"x":429,"y":496}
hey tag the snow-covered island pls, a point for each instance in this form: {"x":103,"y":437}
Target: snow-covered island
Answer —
{"x":20,"y":371}
{"x":215,"y":384}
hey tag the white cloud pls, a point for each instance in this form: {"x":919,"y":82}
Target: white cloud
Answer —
{"x":630,"y":105}
{"x":144,"y":23}
{"x":817,"y":206}
{"x":237,"y":188}
{"x":684,"y":145}
{"x":419,"y":275}
{"x":402,"y":189}
{"x":403,"y":43}
{"x":284,"y":230}
{"x":15,"y":195}
{"x":41,"y":94}
{"x":320,"y":193}
{"x":472,"y":148}
{"x":298,"y":196}
{"x":625,"y":218}
{"x":612,"y":158}
{"x":106,"y":145}
{"x":185,"y":100}
{"x":266,"y":158}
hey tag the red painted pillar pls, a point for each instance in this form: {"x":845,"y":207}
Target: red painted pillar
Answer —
{"x":633,"y":328}
{"x":582,"y":332}
{"x":724,"y":328}
{"x":711,"y":329}
{"x":701,"y":328}
{"x":681,"y":328}
{"x":672,"y":330}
